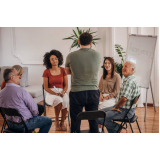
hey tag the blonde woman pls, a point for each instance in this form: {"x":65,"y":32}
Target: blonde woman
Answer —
{"x":19,"y":69}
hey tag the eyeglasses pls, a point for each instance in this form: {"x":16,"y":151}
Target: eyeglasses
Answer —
{"x":54,"y":59}
{"x":15,"y":75}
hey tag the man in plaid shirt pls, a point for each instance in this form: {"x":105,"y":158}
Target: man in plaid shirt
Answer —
{"x":128,"y":91}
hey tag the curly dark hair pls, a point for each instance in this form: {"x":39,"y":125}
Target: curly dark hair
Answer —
{"x":46,"y":59}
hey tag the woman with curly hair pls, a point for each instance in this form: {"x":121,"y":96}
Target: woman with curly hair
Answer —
{"x":56,"y":84}
{"x":19,"y":69}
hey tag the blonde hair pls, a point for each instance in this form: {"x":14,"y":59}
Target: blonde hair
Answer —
{"x":18,"y":68}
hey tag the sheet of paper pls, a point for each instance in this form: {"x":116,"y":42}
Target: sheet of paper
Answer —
{"x":102,"y":102}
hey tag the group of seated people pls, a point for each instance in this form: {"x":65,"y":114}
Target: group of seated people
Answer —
{"x":112,"y":93}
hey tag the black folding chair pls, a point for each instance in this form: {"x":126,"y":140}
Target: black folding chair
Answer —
{"x":12,"y":112}
{"x":126,"y":120}
{"x":90,"y":115}
{"x":4,"y":123}
{"x":45,"y":104}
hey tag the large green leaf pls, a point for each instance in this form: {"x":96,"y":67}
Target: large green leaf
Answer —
{"x":96,"y":39}
{"x":93,"y":42}
{"x":93,"y":32}
{"x":78,"y":30}
{"x":75,"y":33}
{"x":75,"y":37}
{"x":71,"y":37}
{"x":74,"y":44}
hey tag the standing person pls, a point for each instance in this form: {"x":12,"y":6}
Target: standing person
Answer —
{"x":56,"y":84}
{"x":13,"y":96}
{"x":83,"y":65}
{"x":109,"y":84}
{"x":128,"y":91}
{"x":19,"y":69}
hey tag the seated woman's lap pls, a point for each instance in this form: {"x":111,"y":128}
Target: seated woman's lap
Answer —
{"x":54,"y":100}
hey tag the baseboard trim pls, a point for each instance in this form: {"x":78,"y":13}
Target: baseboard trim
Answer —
{"x":150,"y":104}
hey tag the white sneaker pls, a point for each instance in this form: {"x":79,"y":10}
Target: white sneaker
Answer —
{"x":100,"y":130}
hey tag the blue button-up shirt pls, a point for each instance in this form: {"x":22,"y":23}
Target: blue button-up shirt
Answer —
{"x":13,"y":96}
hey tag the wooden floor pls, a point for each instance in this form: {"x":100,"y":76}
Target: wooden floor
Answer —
{"x":150,"y":126}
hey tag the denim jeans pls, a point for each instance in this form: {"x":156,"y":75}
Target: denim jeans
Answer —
{"x":111,"y":126}
{"x":88,"y":99}
{"x":42,"y":122}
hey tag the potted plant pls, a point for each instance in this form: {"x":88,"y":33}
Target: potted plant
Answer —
{"x":75,"y":36}
{"x":119,"y":66}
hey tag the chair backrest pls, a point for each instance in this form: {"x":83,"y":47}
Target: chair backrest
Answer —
{"x":90,"y":115}
{"x":43,"y":92}
{"x":10,"y":112}
{"x":44,"y":102}
{"x":134,"y":101}
{"x":13,"y":112}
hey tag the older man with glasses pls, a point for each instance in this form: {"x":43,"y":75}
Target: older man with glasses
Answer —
{"x":13,"y":96}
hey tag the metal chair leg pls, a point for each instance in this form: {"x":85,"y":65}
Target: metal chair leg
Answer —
{"x":3,"y":126}
{"x":138,"y":126}
{"x":120,"y":127}
{"x":68,"y":119}
{"x":131,"y":127}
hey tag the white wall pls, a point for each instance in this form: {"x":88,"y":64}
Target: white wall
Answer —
{"x":120,"y":36}
{"x":26,"y":47}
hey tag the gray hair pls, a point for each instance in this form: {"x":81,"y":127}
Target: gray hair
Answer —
{"x":18,"y":68}
{"x":7,"y":74}
{"x":133,"y":65}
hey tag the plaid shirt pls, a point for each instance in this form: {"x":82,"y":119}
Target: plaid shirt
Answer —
{"x":130,"y":90}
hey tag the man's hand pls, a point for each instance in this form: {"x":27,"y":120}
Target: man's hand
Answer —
{"x":114,"y":109}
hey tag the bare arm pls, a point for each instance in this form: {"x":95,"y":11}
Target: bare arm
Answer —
{"x":65,"y":85}
{"x":45,"y":82}
{"x":67,"y":69}
{"x":119,"y":104}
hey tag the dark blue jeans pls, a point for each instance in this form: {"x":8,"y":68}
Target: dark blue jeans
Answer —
{"x":42,"y":122}
{"x":88,"y":99}
{"x":111,"y":126}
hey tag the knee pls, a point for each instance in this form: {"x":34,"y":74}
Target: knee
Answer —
{"x":59,"y":100}
{"x":48,"y":121}
{"x":100,"y":121}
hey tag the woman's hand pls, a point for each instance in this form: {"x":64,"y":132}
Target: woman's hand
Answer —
{"x":62,"y":93}
{"x":59,"y":94}
{"x":101,"y":98}
{"x":109,"y":96}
